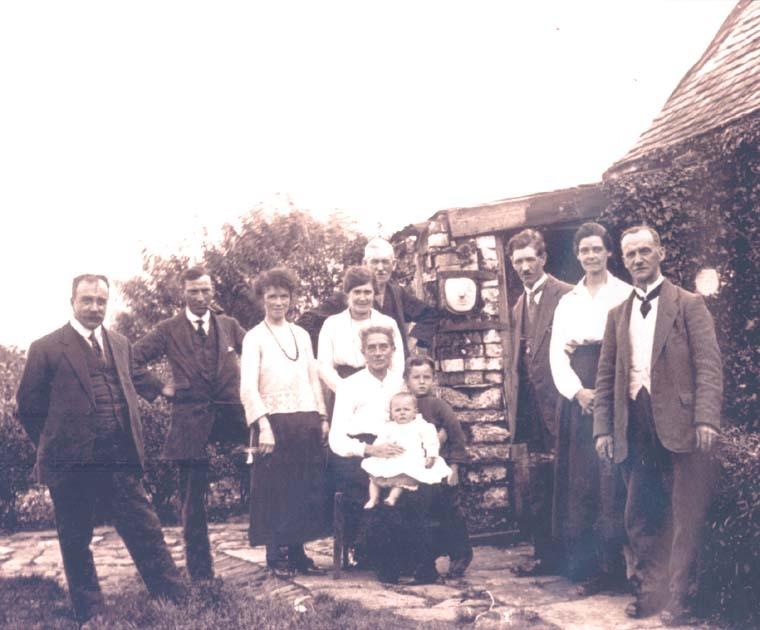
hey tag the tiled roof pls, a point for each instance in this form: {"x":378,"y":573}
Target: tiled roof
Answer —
{"x":723,"y":86}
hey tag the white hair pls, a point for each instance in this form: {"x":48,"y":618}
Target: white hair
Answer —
{"x":378,"y":244}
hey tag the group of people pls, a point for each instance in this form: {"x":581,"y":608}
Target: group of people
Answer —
{"x":618,"y":394}
{"x":618,"y":386}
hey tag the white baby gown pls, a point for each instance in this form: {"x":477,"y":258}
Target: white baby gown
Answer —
{"x":419,"y":440}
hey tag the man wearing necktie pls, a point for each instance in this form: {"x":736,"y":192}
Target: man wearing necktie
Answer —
{"x":657,"y":412}
{"x":77,"y":401}
{"x":397,"y":302}
{"x":532,"y":420}
{"x":202,"y":349}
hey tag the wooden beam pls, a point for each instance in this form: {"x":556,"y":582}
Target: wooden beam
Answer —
{"x":505,"y":319}
{"x":559,"y":206}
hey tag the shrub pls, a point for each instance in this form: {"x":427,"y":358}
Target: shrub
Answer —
{"x":16,"y":450}
{"x":729,"y":580}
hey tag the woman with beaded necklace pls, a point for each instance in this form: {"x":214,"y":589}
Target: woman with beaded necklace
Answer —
{"x":282,"y":395}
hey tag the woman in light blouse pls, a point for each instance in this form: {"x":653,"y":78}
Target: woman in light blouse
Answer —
{"x":585,"y":491}
{"x":283,"y":402}
{"x":339,"y":349}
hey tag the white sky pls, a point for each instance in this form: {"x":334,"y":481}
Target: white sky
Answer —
{"x":137,"y":125}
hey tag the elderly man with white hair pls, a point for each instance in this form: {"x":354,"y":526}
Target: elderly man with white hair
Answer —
{"x":396,"y":302}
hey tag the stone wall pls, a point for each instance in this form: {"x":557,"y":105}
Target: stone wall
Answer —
{"x":469,"y":351}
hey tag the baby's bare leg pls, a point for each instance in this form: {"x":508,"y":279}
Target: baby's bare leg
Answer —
{"x":374,"y":495}
{"x":393,"y":495}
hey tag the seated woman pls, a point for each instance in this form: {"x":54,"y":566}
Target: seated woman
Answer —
{"x":419,"y":463}
{"x":361,"y":409}
{"x":282,"y":396}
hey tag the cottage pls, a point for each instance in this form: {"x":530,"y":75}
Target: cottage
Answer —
{"x":694,"y":175}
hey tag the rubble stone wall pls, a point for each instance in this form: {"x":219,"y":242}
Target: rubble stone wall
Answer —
{"x":470,"y":362}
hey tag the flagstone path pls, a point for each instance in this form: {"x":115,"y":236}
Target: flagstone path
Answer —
{"x":488,"y":596}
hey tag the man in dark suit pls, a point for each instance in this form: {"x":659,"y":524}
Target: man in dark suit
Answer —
{"x":657,"y":412}
{"x":77,"y":401}
{"x":202,"y":349}
{"x":532,"y":419}
{"x":396,"y":302}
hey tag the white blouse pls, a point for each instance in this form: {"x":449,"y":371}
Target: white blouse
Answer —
{"x":580,"y":319}
{"x":340,"y":344}
{"x":362,"y":405}
{"x":270,"y":382}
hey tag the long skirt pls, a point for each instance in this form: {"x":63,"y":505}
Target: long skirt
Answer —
{"x":288,"y":486}
{"x":589,"y":496}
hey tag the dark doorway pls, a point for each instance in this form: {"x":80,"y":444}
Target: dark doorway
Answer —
{"x":560,"y":258}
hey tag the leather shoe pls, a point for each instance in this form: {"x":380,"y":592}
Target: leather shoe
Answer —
{"x":590,"y":587}
{"x":676,"y":614}
{"x":458,"y":566}
{"x":534,"y":569}
{"x":643,"y":606}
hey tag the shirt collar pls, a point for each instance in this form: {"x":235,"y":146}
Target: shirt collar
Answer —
{"x":193,"y":318}
{"x":611,"y":281}
{"x":86,"y":332}
{"x":538,"y":286}
{"x":650,"y":287}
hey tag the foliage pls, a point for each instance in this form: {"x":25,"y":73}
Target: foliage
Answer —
{"x":318,"y":252}
{"x":730,"y":568}
{"x":702,"y":197}
{"x":35,"y":602}
{"x":16,"y":450}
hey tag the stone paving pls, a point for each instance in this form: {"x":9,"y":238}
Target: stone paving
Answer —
{"x":488,"y":596}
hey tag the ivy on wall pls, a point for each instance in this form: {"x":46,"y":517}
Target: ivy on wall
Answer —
{"x":703,"y":198}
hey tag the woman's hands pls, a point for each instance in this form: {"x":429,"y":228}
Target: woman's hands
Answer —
{"x":585,"y":398}
{"x":382,"y":450}
{"x":266,"y":437}
{"x":325,"y":428}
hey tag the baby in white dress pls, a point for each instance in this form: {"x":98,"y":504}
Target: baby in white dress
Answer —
{"x":419,"y":462}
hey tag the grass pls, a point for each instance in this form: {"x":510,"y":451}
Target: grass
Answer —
{"x":40,"y":603}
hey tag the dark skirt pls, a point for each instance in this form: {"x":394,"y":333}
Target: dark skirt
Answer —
{"x":287,"y":487}
{"x":587,"y":514}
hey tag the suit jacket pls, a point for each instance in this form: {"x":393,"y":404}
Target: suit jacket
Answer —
{"x":405,"y":307}
{"x":56,"y":405}
{"x":538,"y":362}
{"x":686,"y":375}
{"x":197,"y":400}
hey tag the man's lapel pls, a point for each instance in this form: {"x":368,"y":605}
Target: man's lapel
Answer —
{"x":222,"y":343}
{"x":517,"y":315}
{"x":120,"y":355}
{"x":623,"y":335}
{"x":182,"y":331}
{"x":667,"y":309}
{"x":74,"y":353}
{"x":546,"y":307}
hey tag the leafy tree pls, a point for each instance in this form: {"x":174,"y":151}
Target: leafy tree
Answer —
{"x":317,"y":251}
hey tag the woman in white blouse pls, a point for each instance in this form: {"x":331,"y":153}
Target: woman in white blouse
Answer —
{"x":283,"y":402}
{"x":339,"y":350}
{"x":586,"y":492}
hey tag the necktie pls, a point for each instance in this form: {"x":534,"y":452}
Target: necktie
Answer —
{"x":532,"y":306}
{"x":646,"y":301}
{"x":95,"y":345}
{"x":200,"y":330}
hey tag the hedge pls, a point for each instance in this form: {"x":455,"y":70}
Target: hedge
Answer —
{"x":703,"y":197}
{"x":25,"y":505}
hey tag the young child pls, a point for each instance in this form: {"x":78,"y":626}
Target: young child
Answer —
{"x":418,"y":463}
{"x":454,"y":539}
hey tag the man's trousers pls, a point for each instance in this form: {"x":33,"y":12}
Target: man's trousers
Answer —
{"x":74,"y":500}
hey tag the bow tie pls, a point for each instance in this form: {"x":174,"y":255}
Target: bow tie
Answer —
{"x":646,"y":301}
